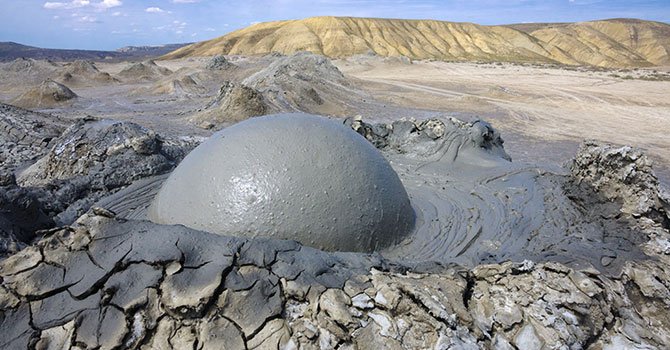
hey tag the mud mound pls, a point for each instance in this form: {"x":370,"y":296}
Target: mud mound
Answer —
{"x":453,"y":139}
{"x":85,"y":73}
{"x":94,"y":147}
{"x":82,"y":67}
{"x":144,"y":71}
{"x":25,"y":135}
{"x":27,"y":71}
{"x":219,"y":63}
{"x":299,"y":67}
{"x":622,"y":174}
{"x":304,"y":82}
{"x":27,"y":66}
{"x":183,"y":87}
{"x":94,"y":158}
{"x":234,"y":102}
{"x":49,"y":94}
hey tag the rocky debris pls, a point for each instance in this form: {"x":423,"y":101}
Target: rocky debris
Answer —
{"x":21,"y":215}
{"x":144,"y":71}
{"x":109,"y":283}
{"x":97,"y":147}
{"x":401,"y":60}
{"x":25,"y":135}
{"x":82,"y":72}
{"x":425,"y":138}
{"x":94,"y":158}
{"x":234,"y":102}
{"x":375,"y":133}
{"x":622,"y":174}
{"x":219,"y":63}
{"x":48,"y":94}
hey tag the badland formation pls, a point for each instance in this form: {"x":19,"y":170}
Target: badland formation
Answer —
{"x":341,"y":183}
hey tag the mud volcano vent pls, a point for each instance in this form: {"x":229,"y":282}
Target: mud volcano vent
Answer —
{"x":289,"y":176}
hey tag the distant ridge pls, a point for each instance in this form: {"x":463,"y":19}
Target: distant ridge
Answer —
{"x":10,"y":51}
{"x":605,"y":43}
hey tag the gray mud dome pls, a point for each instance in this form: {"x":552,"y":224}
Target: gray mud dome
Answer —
{"x":289,"y":176}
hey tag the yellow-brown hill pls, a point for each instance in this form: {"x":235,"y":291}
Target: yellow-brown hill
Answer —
{"x":606,"y":43}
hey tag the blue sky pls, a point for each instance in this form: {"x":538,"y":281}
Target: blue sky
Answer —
{"x":110,"y":24}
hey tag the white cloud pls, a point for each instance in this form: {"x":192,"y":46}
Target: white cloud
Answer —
{"x":154,"y":10}
{"x":109,"y":3}
{"x":177,"y":27}
{"x":185,"y":1}
{"x":87,"y":19}
{"x":117,"y":14}
{"x":66,"y":5}
{"x":75,"y":4}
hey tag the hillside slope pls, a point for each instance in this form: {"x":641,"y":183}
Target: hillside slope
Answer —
{"x":608,"y":43}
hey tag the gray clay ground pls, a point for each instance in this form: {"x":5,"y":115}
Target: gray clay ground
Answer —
{"x":109,"y":283}
{"x":505,"y":255}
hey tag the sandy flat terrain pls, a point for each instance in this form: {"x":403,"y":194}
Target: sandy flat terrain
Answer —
{"x":543,"y":113}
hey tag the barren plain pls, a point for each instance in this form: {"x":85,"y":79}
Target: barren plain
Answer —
{"x":543,"y":112}
{"x":515,"y":233}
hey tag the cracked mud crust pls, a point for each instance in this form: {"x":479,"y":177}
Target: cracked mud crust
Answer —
{"x":108,"y":283}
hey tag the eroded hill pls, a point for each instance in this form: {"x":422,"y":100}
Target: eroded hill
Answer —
{"x":607,"y":43}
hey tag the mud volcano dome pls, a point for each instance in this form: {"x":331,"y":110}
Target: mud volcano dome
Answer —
{"x":289,"y":176}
